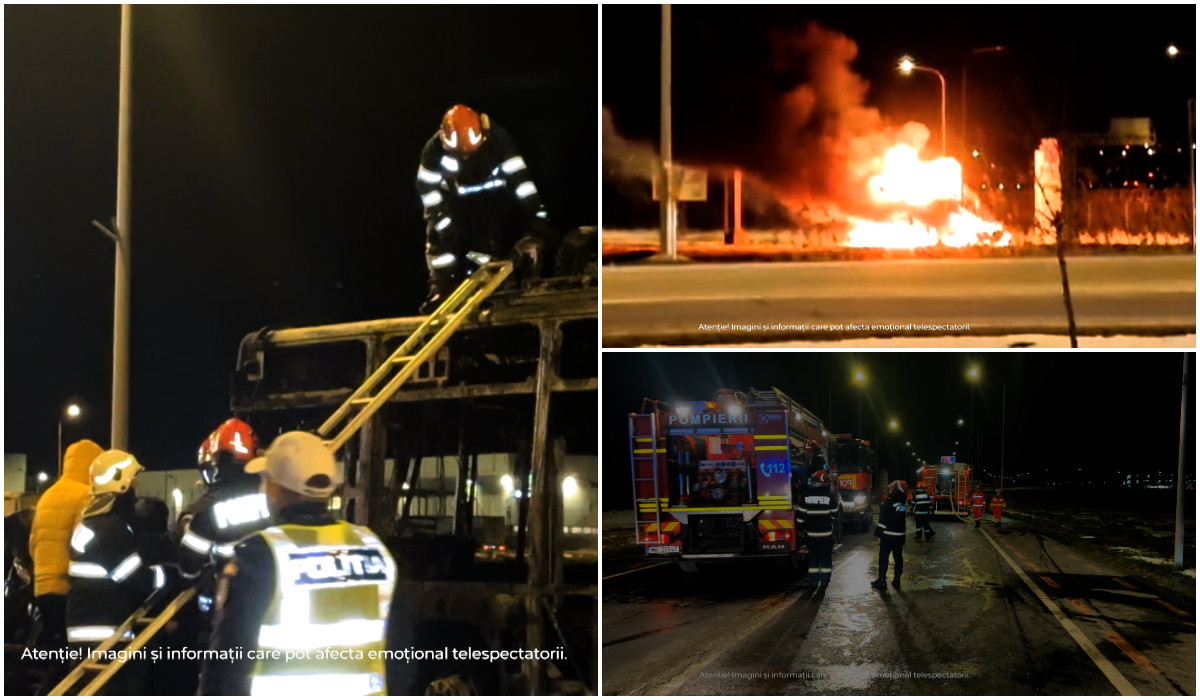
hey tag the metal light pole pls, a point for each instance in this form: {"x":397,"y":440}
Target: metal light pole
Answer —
{"x":974,"y":374}
{"x":72,"y":411}
{"x":668,"y":216}
{"x":1179,"y":470}
{"x":120,"y":391}
{"x":908,"y":66}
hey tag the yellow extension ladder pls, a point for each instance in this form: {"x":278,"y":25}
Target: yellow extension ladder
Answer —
{"x":423,"y":344}
{"x":95,"y":673}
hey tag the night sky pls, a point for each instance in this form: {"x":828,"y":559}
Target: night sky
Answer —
{"x":1071,"y":66}
{"x":1109,"y":412}
{"x":274,"y":153}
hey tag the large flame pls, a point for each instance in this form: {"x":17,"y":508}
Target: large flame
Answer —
{"x":914,"y":185}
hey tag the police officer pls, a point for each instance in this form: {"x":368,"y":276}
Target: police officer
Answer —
{"x":478,"y":199}
{"x":891,"y":530}
{"x":977,"y":504}
{"x":231,"y":508}
{"x":922,"y":505}
{"x":307,"y":583}
{"x":817,"y":515}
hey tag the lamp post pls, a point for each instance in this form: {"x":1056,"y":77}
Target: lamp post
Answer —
{"x":974,"y":374}
{"x":71,"y":411}
{"x":860,"y":381}
{"x":907,"y":66}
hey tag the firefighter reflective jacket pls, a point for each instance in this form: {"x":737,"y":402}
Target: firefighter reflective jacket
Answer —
{"x":921,"y":503}
{"x":493,"y":175}
{"x":110,"y":578}
{"x":891,"y":517}
{"x":210,"y":526}
{"x":978,"y":501}
{"x":57,"y":512}
{"x":310,"y":584}
{"x":817,"y":512}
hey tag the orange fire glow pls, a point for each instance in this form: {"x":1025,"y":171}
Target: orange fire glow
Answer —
{"x":914,"y":184}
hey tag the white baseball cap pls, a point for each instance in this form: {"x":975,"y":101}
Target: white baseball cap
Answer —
{"x":300,"y":462}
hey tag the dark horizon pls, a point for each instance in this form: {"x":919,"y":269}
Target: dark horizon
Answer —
{"x":1118,"y":412}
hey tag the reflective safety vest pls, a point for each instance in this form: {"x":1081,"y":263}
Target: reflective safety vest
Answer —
{"x":977,"y":500}
{"x":333,"y":590}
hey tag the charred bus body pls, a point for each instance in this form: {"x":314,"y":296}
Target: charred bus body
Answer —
{"x":719,"y":481}
{"x":480,"y":474}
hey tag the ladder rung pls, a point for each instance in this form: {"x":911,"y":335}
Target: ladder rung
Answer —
{"x":144,"y":620}
{"x":362,"y":402}
{"x":92,"y":665}
{"x":406,"y":358}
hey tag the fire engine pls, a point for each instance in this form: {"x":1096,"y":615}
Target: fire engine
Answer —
{"x":855,"y":460}
{"x":719,"y":481}
{"x":948,"y":484}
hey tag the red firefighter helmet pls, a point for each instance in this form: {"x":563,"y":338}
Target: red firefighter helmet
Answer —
{"x":227,"y":450}
{"x":463,"y":130}
{"x":819,"y":478}
{"x":812,"y":446}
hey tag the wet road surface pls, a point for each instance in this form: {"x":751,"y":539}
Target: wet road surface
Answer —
{"x":965,"y":622}
{"x":670,"y":304}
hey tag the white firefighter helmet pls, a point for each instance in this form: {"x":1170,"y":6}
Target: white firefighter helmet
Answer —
{"x":113,"y":471}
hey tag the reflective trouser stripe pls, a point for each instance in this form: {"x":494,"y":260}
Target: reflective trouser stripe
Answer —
{"x":94,"y":633}
{"x":889,"y":532}
{"x":348,"y":633}
{"x":820,"y":534}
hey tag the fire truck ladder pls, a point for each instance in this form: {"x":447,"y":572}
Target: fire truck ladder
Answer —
{"x":96,"y":673}
{"x":424,"y":342}
{"x":643,"y":451}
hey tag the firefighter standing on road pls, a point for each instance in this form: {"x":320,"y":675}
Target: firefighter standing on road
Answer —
{"x":891,"y":530}
{"x":977,"y":504}
{"x":308,"y":583}
{"x":998,"y":506}
{"x":817,"y":516}
{"x":921,"y":507}
{"x":478,"y":199}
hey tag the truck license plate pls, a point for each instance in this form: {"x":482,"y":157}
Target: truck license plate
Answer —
{"x":665,"y":549}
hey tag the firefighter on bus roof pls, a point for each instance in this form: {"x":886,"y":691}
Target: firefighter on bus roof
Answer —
{"x":479,"y":199}
{"x":309,"y":583}
{"x":977,"y":504}
{"x":817,"y":515}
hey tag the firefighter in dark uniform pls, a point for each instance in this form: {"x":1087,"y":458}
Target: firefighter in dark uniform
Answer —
{"x":479,"y":203}
{"x":890,"y":535}
{"x":109,"y":576}
{"x":817,"y":516}
{"x":977,"y":504}
{"x":922,"y":506}
{"x":307,"y":583}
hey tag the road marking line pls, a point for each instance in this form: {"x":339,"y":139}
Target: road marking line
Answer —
{"x":1081,"y":607}
{"x":1136,"y":656}
{"x":1172,"y":608}
{"x":631,"y":571}
{"x":690,"y":672}
{"x":1106,"y":667}
{"x":1125,"y":583}
{"x":1050,"y":581}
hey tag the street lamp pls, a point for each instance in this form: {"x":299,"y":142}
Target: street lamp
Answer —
{"x":71,"y":411}
{"x":907,"y":66}
{"x":1174,"y":51}
{"x":974,"y":374}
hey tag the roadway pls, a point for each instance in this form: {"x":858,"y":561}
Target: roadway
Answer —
{"x":979,"y":613}
{"x":743,"y":303}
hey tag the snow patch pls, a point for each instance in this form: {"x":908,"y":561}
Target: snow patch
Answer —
{"x":1138,"y":556}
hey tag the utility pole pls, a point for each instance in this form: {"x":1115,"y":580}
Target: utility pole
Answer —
{"x":1179,"y":485}
{"x":120,"y":387}
{"x":668,"y":214}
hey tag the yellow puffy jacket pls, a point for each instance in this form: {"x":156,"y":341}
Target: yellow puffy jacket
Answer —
{"x":55,"y":518}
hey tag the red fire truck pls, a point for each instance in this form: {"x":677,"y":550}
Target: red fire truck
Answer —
{"x":948,"y":484}
{"x":855,"y":461}
{"x":719,"y":481}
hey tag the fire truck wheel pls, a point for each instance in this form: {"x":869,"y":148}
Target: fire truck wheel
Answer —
{"x":689,"y":567}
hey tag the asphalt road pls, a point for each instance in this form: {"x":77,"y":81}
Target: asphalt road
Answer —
{"x":818,"y":301}
{"x":965,"y":623}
